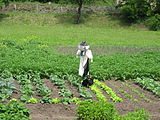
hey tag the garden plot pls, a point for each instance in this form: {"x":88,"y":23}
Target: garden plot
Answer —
{"x":51,"y":89}
{"x":58,"y":111}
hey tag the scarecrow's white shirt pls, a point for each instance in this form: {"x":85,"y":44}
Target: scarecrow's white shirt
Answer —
{"x":83,"y":60}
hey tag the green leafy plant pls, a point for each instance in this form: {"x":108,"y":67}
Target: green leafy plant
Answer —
{"x":109,"y":91}
{"x":56,"y":100}
{"x":14,"y":111}
{"x":6,"y":88}
{"x":32,"y":100}
{"x":76,"y":100}
{"x":98,"y":93}
{"x":57,"y":81}
{"x":66,"y":100}
{"x":84,"y":93}
{"x":125,"y":93}
{"x":149,"y":84}
{"x":137,"y":92}
{"x":154,"y":22}
{"x":138,"y":114}
{"x":65,"y":93}
{"x":45,"y":99}
{"x":14,"y":100}
{"x":98,"y":110}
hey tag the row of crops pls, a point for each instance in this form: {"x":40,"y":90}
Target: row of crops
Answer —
{"x":38,"y":58}
{"x":44,"y":92}
{"x":31,"y":62}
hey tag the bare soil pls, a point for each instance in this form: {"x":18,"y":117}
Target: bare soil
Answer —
{"x":68,"y":112}
{"x":105,"y":49}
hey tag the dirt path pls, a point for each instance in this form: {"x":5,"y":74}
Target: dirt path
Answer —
{"x":52,"y":111}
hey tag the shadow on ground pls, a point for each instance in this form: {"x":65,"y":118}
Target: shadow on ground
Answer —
{"x":2,"y":16}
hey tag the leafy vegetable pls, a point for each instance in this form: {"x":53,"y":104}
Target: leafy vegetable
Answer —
{"x":108,"y":90}
{"x":56,"y":100}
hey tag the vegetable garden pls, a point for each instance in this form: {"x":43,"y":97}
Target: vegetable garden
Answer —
{"x":44,"y":84}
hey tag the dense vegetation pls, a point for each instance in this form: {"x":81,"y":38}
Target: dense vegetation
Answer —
{"x":29,"y":60}
{"x":14,"y":111}
{"x":40,"y":58}
{"x":106,"y":111}
{"x":140,"y":10}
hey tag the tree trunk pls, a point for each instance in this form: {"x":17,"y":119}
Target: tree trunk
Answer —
{"x":79,"y":11}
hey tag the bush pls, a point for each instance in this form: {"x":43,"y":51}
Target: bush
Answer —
{"x":154,"y":22}
{"x":135,"y":10}
{"x":128,"y":14}
{"x":106,"y":111}
{"x":96,"y":111}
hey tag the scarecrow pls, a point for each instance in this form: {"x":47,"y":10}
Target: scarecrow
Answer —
{"x":85,"y":56}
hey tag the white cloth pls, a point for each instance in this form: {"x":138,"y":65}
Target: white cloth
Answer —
{"x":83,"y":60}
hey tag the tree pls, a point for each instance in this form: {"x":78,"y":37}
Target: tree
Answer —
{"x":80,"y":4}
{"x":4,"y":2}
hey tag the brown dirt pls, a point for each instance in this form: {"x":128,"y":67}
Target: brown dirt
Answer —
{"x":73,"y":89}
{"x":52,"y":87}
{"x":105,"y":49}
{"x":16,"y":93}
{"x":52,"y":111}
{"x":68,"y":112}
{"x":126,"y":106}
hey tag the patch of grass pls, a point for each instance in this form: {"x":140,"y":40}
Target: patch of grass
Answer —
{"x":59,"y":30}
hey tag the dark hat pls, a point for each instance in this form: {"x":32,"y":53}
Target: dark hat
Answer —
{"x":83,"y":43}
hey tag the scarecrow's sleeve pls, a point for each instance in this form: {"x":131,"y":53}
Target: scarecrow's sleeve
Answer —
{"x":78,"y":53}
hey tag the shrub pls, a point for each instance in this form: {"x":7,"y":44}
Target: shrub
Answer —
{"x":128,"y":14}
{"x":106,"y":111}
{"x":96,"y":111}
{"x":154,"y":22}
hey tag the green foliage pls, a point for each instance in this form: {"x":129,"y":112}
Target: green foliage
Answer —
{"x":77,"y":1}
{"x":6,"y":88}
{"x":57,"y":81}
{"x":137,"y":92}
{"x":157,"y":7}
{"x":14,"y":100}
{"x":138,"y":114}
{"x":84,"y":93}
{"x":149,"y":84}
{"x":154,"y":22}
{"x":98,"y":93}
{"x":65,"y":93}
{"x":14,"y":111}
{"x":106,"y":111}
{"x":32,"y":100}
{"x":22,"y":59}
{"x":124,"y":67}
{"x":56,"y":100}
{"x":66,"y":100}
{"x":109,"y":91}
{"x":134,"y":10}
{"x":76,"y":100}
{"x":95,"y":111}
{"x":45,"y":99}
{"x":128,"y":14}
{"x":8,"y":43}
{"x":125,"y":93}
